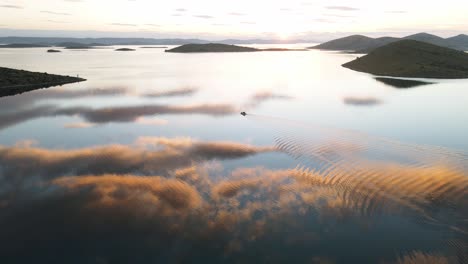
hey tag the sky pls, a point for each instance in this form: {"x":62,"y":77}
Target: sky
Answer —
{"x":220,"y":19}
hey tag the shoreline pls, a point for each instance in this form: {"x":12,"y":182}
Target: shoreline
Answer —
{"x":11,"y":90}
{"x":19,"y":89}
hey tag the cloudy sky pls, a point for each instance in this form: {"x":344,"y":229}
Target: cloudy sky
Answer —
{"x":225,"y":19}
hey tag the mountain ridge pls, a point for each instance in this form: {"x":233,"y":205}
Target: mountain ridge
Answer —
{"x":364,"y":44}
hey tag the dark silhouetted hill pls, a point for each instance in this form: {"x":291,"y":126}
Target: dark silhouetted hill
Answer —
{"x":459,"y":41}
{"x":19,"y":81}
{"x":211,"y":47}
{"x":410,"y":58}
{"x":363,"y":44}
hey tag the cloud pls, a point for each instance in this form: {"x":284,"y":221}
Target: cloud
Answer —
{"x":123,"y":24}
{"x":11,"y":119}
{"x":396,"y":12}
{"x":31,"y":98}
{"x":149,"y":155}
{"x":203,"y":16}
{"x":12,"y":6}
{"x":361,"y":101}
{"x":58,"y":21}
{"x":132,"y":113}
{"x":114,"y":114}
{"x":342,"y":8}
{"x":261,"y":97}
{"x":236,"y":14}
{"x":178,"y":194}
{"x":152,"y":121}
{"x":56,"y":13}
{"x":154,"y":216}
{"x":181,"y":10}
{"x":169,"y":93}
{"x":79,"y":125}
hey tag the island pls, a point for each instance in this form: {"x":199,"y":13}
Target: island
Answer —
{"x":14,"y":82}
{"x":53,"y":51}
{"x":211,"y":47}
{"x":125,"y":49}
{"x":363,"y":44}
{"x":218,"y":47}
{"x":413,"y":59}
{"x":22,"y":46}
{"x":354,"y":43}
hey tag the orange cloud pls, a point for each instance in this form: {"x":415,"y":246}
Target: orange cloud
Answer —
{"x":176,"y":193}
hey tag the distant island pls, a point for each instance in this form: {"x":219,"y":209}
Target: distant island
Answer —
{"x":217,"y":47}
{"x":19,"y":81}
{"x":60,"y":41}
{"x":211,"y":47}
{"x":22,"y":46}
{"x":363,"y":44}
{"x":125,"y":49}
{"x":415,"y":59}
{"x":53,"y":51}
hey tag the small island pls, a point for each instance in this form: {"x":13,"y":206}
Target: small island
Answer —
{"x":413,"y":59}
{"x":125,"y":49}
{"x":216,"y":47}
{"x":53,"y":51}
{"x":14,"y":82}
{"x":211,"y":47}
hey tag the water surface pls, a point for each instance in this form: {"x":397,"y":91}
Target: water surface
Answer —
{"x":150,"y":161}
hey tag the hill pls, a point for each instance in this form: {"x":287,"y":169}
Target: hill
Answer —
{"x":19,"y":81}
{"x":211,"y":47}
{"x":459,"y":41}
{"x":363,"y":44}
{"x":354,"y":42}
{"x":429,"y":38}
{"x":410,"y":58}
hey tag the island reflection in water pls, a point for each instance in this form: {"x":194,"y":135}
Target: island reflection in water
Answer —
{"x":130,"y":173}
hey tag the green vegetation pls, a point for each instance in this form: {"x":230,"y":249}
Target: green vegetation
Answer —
{"x":363,"y":44}
{"x":22,"y":46}
{"x":19,"y":81}
{"x":125,"y":49}
{"x":410,"y":58}
{"x":211,"y":47}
